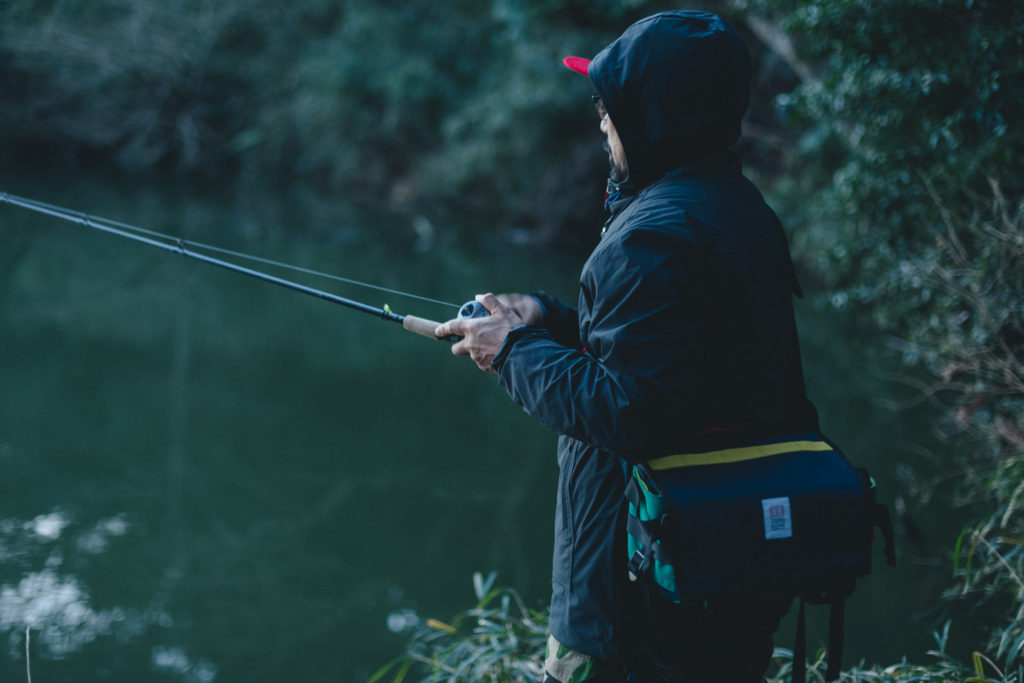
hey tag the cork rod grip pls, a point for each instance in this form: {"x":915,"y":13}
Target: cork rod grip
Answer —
{"x":421,"y":326}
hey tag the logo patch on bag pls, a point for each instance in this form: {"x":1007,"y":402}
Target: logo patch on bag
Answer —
{"x":778,"y":520}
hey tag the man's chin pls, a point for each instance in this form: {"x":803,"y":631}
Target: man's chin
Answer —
{"x":616,"y":173}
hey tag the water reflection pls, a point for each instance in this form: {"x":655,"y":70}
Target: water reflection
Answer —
{"x":48,"y":526}
{"x":94,"y":541}
{"x":402,"y":620}
{"x":175,"y":659}
{"x":57,"y":610}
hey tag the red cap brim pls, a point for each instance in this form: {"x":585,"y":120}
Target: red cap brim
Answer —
{"x":578,"y":64}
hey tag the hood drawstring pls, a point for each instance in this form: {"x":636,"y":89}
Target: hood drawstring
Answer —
{"x":617,"y":196}
{"x":616,"y":190}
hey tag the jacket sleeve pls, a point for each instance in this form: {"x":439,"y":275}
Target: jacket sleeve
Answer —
{"x":631,"y":390}
{"x":560,"y":319}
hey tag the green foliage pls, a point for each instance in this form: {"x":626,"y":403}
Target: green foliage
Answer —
{"x":905,"y":95}
{"x":498,"y":640}
{"x":959,"y":301}
{"x":910,"y":158}
{"x":944,"y":668}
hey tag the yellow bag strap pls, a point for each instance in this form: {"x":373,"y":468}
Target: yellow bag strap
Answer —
{"x":740,"y":454}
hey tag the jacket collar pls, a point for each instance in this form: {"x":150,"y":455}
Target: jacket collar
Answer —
{"x":619,"y":195}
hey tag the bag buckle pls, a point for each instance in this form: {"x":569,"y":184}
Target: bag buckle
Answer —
{"x":637,"y":563}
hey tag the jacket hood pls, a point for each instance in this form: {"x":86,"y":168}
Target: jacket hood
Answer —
{"x":676,"y":85}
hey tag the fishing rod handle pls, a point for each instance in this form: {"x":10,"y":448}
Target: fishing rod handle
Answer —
{"x":420,"y":326}
{"x":471,"y":309}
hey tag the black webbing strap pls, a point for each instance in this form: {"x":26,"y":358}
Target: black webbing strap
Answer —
{"x":800,"y":647}
{"x":650,"y":550}
{"x":643,"y":556}
{"x":835,"y":639}
{"x":836,"y":633}
{"x":633,"y":492}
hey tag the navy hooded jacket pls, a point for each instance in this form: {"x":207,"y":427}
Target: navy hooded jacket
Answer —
{"x":684,"y":337}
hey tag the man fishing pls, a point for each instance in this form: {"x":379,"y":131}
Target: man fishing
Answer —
{"x":683,"y":340}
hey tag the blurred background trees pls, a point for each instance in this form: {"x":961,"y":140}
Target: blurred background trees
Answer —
{"x":421,"y":106}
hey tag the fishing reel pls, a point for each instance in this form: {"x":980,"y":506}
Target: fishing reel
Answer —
{"x":470,"y":309}
{"x":473,"y":309}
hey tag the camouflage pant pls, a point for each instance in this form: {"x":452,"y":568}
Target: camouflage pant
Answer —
{"x":562,"y":665}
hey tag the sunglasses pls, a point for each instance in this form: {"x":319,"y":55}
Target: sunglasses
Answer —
{"x":599,"y":106}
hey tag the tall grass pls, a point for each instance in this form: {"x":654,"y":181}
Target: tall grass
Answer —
{"x":499,"y":639}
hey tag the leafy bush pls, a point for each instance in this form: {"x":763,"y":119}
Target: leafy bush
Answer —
{"x":902,"y":96}
{"x":944,"y":669}
{"x":916,"y":216}
{"x":498,"y":640}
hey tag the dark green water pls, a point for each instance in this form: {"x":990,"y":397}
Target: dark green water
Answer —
{"x":204,"y":477}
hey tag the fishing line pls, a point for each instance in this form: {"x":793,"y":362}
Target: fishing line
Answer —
{"x":180,"y":246}
{"x":96,"y":221}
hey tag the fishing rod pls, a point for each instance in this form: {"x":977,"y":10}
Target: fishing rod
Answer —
{"x":420,"y":326}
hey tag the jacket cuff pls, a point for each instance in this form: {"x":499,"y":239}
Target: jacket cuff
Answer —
{"x":539,"y":297}
{"x":514,"y":335}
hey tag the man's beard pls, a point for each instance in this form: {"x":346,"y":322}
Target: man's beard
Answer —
{"x":617,"y":173}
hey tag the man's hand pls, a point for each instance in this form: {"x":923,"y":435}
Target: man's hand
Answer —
{"x":525,"y":306}
{"x":483,"y":337}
